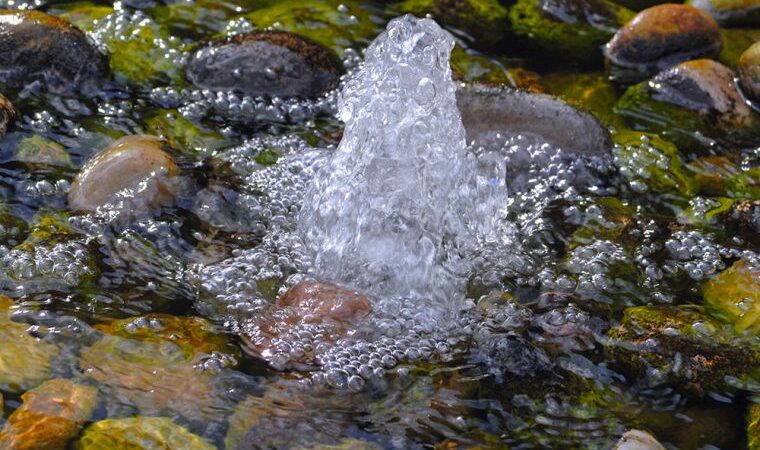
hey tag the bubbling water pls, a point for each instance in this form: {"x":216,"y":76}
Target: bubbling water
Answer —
{"x":402,"y":199}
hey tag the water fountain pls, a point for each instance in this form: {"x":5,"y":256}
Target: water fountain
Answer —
{"x":402,"y":198}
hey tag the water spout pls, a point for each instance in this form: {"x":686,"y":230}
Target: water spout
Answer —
{"x":402,"y":198}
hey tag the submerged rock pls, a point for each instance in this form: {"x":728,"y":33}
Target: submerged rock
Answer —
{"x":36,"y":150}
{"x":749,"y":71}
{"x":336,"y":24}
{"x":680,"y":347}
{"x":638,"y":440}
{"x":731,"y":12}
{"x":734,"y":296}
{"x":37,"y":47}
{"x":135,"y":167}
{"x":326,"y":312}
{"x":144,"y":433}
{"x":484,"y":20}
{"x":568,"y":29}
{"x":661,"y":37}
{"x":50,"y":416}
{"x":487,"y":110}
{"x":160,"y":364}
{"x":25,"y":361}
{"x":695,"y":104}
{"x":266,"y":63}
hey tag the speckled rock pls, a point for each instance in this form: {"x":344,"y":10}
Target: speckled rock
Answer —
{"x":731,"y":12}
{"x":125,"y":165}
{"x":144,"y":433}
{"x":35,"y":46}
{"x":269,"y":63}
{"x":661,"y":37}
{"x":749,"y":71}
{"x":325,"y":310}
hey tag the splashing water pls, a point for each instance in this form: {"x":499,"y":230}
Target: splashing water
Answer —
{"x":401,"y":199}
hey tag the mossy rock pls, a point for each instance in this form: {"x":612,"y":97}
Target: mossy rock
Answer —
{"x":735,"y":43}
{"x":25,"y":361}
{"x":200,"y":18}
{"x":592,"y":92}
{"x":484,"y":20}
{"x":681,"y":347}
{"x":13,"y":229}
{"x":706,"y":212}
{"x":191,"y":334}
{"x":734,"y":296}
{"x":722,"y":176}
{"x":184,"y":135}
{"x":140,"y":433}
{"x":48,"y":228}
{"x":652,"y":163}
{"x":50,"y":416}
{"x":37,"y":150}
{"x":573,"y":30}
{"x":320,"y":21}
{"x":753,"y":426}
{"x":81,"y":14}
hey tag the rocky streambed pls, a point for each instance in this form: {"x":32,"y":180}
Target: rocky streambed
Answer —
{"x":170,"y":279}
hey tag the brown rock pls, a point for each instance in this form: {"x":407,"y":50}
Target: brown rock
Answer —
{"x":125,"y":164}
{"x":325,"y":311}
{"x":662,"y":36}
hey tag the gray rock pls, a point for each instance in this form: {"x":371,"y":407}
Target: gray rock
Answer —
{"x":269,"y":63}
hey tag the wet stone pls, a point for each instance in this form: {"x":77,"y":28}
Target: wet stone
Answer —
{"x":50,"y":416}
{"x":661,"y":37}
{"x":734,"y":296}
{"x":731,"y":12}
{"x":134,"y":168}
{"x":270,"y":63}
{"x":37,"y":47}
{"x":145,"y":433}
{"x":321,"y":311}
{"x":749,"y":71}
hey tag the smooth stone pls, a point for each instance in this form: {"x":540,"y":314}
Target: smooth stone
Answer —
{"x":123,"y":165}
{"x":731,"y":12}
{"x":661,"y":37}
{"x":487,"y":109}
{"x":705,"y":86}
{"x":638,"y":440}
{"x":749,"y":71}
{"x":37,"y":47}
{"x":333,"y":309}
{"x":268,"y":63}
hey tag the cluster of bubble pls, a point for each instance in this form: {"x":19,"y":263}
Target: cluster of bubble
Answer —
{"x":640,"y":162}
{"x":229,"y":290}
{"x":243,"y":158}
{"x":239,"y":108}
{"x":63,"y":264}
{"x":695,"y":253}
{"x":22,"y":5}
{"x":592,"y":263}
